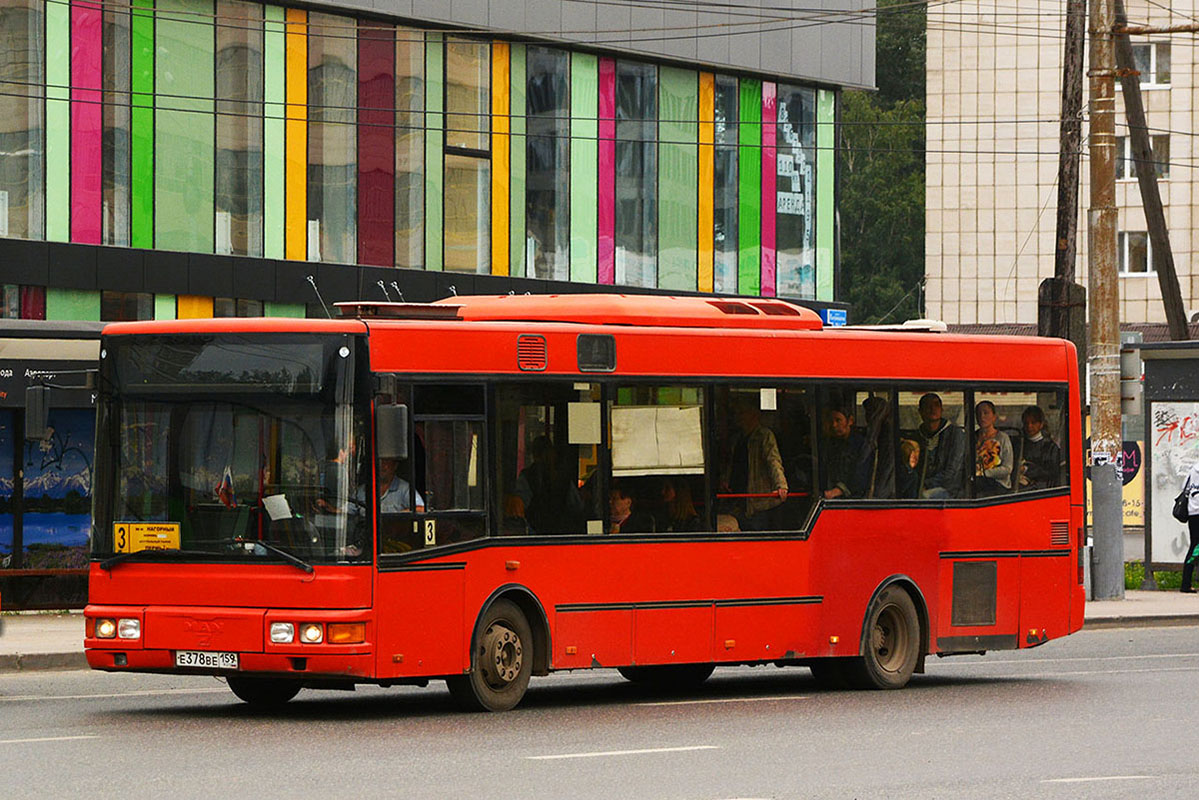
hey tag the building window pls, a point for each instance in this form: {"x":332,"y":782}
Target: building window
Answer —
{"x":410,"y":148}
{"x":1159,"y":145}
{"x":22,"y":302}
{"x":1135,"y":253}
{"x":332,"y":139}
{"x":115,"y":177}
{"x":22,"y":143}
{"x":547,"y":184}
{"x":126,"y":306}
{"x":725,"y":201}
{"x":467,"y":156}
{"x":795,"y":237}
{"x":239,"y":89}
{"x":231,"y":307}
{"x":636,"y":174}
{"x":1153,"y":62}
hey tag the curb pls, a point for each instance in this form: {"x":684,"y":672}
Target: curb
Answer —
{"x":1145,"y":621}
{"x":27,"y":662}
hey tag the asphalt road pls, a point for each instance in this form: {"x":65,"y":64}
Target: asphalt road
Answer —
{"x":1106,"y":713}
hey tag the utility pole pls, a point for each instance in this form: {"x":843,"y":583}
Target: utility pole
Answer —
{"x":1061,"y":303}
{"x":1151,"y":199}
{"x":1107,"y":554}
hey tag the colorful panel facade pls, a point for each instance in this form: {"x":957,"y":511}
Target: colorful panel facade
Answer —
{"x":238,"y":128}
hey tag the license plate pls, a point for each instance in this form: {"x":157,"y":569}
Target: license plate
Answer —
{"x":205,"y":660}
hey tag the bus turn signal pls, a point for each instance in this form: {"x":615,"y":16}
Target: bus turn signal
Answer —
{"x":347,"y":632}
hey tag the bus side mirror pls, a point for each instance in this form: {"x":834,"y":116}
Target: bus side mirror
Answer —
{"x":391,"y":431}
{"x":37,"y":412}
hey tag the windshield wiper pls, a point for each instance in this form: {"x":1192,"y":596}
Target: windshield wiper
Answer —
{"x":279,"y":551}
{"x":108,"y":563}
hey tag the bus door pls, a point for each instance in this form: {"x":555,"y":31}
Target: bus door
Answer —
{"x":432,"y":498}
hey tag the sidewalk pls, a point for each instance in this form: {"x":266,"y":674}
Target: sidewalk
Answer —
{"x":55,"y":641}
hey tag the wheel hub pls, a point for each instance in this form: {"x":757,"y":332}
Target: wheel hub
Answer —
{"x":503,"y":655}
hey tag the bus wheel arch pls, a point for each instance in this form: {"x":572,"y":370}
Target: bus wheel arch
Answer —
{"x":509,"y":639}
{"x":894,"y":637}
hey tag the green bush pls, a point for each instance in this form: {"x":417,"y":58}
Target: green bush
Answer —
{"x":1134,"y":573}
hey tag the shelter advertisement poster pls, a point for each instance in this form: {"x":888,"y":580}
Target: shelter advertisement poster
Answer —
{"x":1174,"y":447}
{"x":1133,"y":475}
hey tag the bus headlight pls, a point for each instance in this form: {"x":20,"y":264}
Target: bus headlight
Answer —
{"x":106,"y":628}
{"x":129,"y":628}
{"x":311,"y":633}
{"x":283,"y":632}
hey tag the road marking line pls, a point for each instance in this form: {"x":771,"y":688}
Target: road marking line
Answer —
{"x":1031,"y":660}
{"x":47,"y":739}
{"x":142,"y":693}
{"x":724,"y":700}
{"x":602,"y":754}
{"x":1092,"y":672}
{"x":1102,"y":778}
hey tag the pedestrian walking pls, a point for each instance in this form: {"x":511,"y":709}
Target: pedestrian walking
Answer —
{"x":1191,"y":490}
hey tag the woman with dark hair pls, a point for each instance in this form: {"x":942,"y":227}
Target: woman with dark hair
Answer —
{"x":1040,"y":457}
{"x":678,"y":513}
{"x":623,"y":518}
{"x":992,"y":454}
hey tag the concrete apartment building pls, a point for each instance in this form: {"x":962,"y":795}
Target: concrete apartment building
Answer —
{"x":994,"y":98}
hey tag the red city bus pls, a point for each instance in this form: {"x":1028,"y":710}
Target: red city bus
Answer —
{"x":489,"y":488}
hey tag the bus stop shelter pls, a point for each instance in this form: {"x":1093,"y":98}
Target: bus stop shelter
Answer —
{"x":1171,"y":413}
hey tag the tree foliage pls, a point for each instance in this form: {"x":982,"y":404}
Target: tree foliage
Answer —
{"x":882,"y":162}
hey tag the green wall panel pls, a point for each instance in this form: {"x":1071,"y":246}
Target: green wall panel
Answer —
{"x":434,"y":150}
{"x":584,"y":166}
{"x":284,"y":309}
{"x":749,"y":227}
{"x":273,"y":153}
{"x":826,"y":193}
{"x":516,"y":208}
{"x":58,"y":122}
{"x":72,"y":304}
{"x":141,"y":125}
{"x":164,"y":306}
{"x":184,"y":126}
{"x":678,"y":178}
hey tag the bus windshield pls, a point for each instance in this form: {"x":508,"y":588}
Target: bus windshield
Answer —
{"x":262,"y":454}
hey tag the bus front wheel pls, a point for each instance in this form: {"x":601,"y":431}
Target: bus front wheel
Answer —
{"x":892,"y":643}
{"x":263,"y":692}
{"x":502,"y":661}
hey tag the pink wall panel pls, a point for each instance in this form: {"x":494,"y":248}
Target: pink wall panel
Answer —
{"x":606,"y":212}
{"x":87,"y":50}
{"x":769,"y":179}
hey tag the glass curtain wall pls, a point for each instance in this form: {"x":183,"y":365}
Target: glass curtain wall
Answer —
{"x":636,"y":174}
{"x":547,"y":184}
{"x":725,"y":189}
{"x":114,"y":148}
{"x":796,"y":199}
{"x":410,"y":147}
{"x":332,"y":138}
{"x":239,"y":91}
{"x":22,"y":134}
{"x":467,"y":156}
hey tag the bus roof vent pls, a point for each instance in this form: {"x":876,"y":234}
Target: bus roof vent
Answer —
{"x":657,"y":311}
{"x":531,"y":353}
{"x":360,"y":309}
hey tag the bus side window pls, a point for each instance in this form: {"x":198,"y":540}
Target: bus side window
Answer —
{"x":933,"y":444}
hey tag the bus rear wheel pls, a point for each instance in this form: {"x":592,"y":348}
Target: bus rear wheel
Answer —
{"x":668,"y":676}
{"x":502,"y":662}
{"x":892,"y":643}
{"x":263,"y":692}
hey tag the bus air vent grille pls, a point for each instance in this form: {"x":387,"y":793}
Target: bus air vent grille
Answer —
{"x":1059,"y":533}
{"x":531,"y":353}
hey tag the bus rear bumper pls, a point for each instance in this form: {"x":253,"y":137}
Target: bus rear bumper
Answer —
{"x":339,"y":665}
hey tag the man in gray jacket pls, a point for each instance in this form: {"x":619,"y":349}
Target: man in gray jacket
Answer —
{"x":942,"y":452}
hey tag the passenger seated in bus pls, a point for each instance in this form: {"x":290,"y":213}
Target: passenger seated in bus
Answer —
{"x":942,"y":450}
{"x":1041,"y":458}
{"x":514,"y":522}
{"x":756,"y":468}
{"x":846,"y":462}
{"x":550,"y":494}
{"x":992,"y":454}
{"x":907,"y":475}
{"x":622,"y":516}
{"x":677,"y":512}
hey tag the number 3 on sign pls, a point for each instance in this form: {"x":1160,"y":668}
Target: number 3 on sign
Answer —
{"x":430,"y":532}
{"x":122,"y":539}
